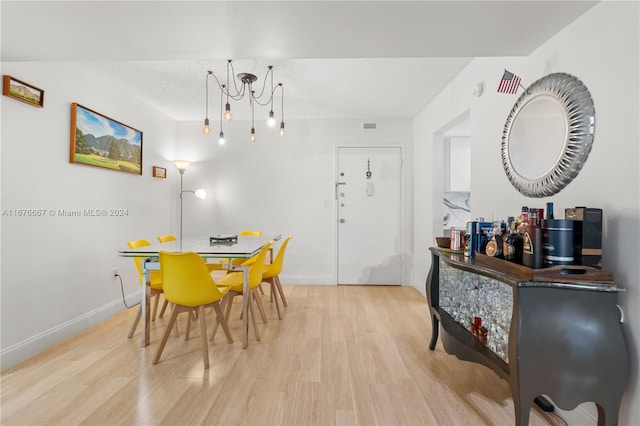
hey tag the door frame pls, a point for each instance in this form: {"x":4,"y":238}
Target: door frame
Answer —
{"x":404,"y":255}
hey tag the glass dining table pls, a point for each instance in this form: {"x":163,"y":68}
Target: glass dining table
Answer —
{"x":240,"y":247}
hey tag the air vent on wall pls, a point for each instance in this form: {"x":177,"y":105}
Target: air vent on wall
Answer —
{"x":366,"y":126}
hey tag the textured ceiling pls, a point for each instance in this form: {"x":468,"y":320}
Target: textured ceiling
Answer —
{"x":352,"y":60}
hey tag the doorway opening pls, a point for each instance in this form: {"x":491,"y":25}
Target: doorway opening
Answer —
{"x":456,"y":175}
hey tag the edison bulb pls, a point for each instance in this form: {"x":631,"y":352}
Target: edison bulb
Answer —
{"x":227,"y":113}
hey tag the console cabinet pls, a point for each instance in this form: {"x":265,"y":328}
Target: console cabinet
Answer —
{"x":562,"y":338}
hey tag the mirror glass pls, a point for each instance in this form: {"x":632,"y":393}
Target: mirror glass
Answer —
{"x":538,"y":137}
{"x":548,"y":135}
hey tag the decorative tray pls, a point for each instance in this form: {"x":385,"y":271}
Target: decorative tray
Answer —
{"x":223,"y":239}
{"x":561,"y":273}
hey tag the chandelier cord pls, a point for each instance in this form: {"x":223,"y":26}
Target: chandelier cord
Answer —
{"x":264,"y":85}
{"x":221,"y":108}
{"x":225,"y":89}
{"x":207,"y":95}
{"x":282,"y":101}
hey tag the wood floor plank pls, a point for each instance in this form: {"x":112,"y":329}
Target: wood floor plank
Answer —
{"x":341,"y":355}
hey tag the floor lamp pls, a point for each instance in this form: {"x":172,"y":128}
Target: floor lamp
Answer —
{"x":200,"y":193}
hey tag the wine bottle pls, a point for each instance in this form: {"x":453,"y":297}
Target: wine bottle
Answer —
{"x":549,"y":211}
{"x":523,"y":220}
{"x":532,"y":254}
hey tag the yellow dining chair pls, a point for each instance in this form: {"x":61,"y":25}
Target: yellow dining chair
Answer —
{"x":188,"y":285}
{"x":235,"y":262}
{"x":247,"y":233}
{"x":156,"y":283}
{"x":234,"y":280}
{"x":271,"y":272}
{"x":166,"y":238}
{"x":211,"y":266}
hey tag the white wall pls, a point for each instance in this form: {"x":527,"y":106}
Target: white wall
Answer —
{"x":458,"y":159}
{"x":602,"y":49}
{"x":283,"y":185}
{"x":57,"y":271}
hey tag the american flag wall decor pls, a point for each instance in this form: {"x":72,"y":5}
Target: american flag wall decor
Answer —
{"x":509,"y":83}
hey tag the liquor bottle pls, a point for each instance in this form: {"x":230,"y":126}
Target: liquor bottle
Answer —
{"x":495,"y":245}
{"x":532,"y":254}
{"x":512,"y":245}
{"x":549,"y":211}
{"x":523,"y":220}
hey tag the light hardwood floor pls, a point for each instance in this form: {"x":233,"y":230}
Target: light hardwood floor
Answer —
{"x":342,"y":355}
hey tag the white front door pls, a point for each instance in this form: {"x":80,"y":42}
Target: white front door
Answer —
{"x":369,"y":197}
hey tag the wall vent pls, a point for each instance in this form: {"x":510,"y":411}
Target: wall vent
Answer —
{"x":366,"y":126}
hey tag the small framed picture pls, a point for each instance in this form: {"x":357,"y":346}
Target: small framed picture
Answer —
{"x":159,"y":172}
{"x":23,"y":92}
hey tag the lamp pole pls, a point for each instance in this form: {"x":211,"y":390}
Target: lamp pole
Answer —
{"x":181,"y":191}
{"x":182,"y":165}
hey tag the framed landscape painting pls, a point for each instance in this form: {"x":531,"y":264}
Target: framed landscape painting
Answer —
{"x":21,"y":91}
{"x":100,"y":141}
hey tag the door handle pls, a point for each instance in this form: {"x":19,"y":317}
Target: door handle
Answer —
{"x":342,"y":220}
{"x":336,"y":186}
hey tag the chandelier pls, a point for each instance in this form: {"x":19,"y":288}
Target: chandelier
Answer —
{"x":232,"y":91}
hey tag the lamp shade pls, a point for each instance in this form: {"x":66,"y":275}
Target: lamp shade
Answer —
{"x":181,"y":165}
{"x":201,"y":193}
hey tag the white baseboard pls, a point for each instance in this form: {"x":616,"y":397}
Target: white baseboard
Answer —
{"x":307,"y":280}
{"x":27,"y":348}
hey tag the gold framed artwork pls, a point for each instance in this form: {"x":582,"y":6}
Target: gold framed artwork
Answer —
{"x":100,"y":141}
{"x":159,"y":172}
{"x":23,"y":92}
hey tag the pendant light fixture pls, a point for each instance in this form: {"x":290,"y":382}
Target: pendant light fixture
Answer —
{"x":238,"y":92}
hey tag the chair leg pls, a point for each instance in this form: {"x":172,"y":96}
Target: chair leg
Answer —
{"x":167,"y":331}
{"x":275,"y":299}
{"x":217,"y":321}
{"x":155,"y":307}
{"x":254,"y":293}
{"x":176,"y":332}
{"x":220,"y":320}
{"x":229,"y":305}
{"x":135,"y":323}
{"x":255,"y":322}
{"x":279,"y":287}
{"x":203,"y":337}
{"x":186,"y":337}
{"x":164,"y":308}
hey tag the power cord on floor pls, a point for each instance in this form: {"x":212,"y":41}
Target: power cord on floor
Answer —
{"x":124,"y":300}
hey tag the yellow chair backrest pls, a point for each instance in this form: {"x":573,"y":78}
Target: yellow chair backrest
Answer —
{"x":255,"y":269}
{"x":138,"y":260}
{"x":166,"y":238}
{"x":248,"y":233}
{"x":276,"y":266}
{"x":186,"y":279}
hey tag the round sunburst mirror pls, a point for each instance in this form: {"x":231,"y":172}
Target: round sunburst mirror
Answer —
{"x":548,"y":135}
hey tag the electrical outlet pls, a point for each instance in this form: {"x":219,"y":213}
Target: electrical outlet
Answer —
{"x":115,"y":272}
